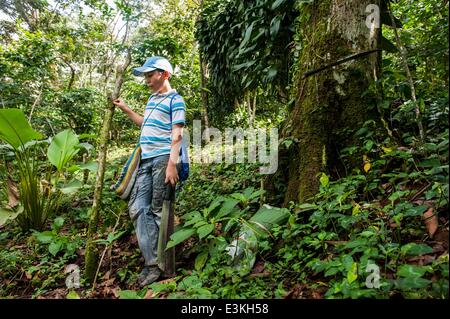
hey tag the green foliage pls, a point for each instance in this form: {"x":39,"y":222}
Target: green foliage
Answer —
{"x":77,"y":108}
{"x":39,"y":197}
{"x":62,"y":149}
{"x":38,"y":264}
{"x":7,"y":214}
{"x":36,"y":205}
{"x":364,"y":219}
{"x":268,"y":217}
{"x":359,"y":220}
{"x":245,"y":44}
{"x":170,"y":33}
{"x":216,"y":224}
{"x":57,"y":243}
{"x":226,"y":234}
{"x":132,"y":294}
{"x":111,"y":238}
{"x":424,"y":34}
{"x":15,"y":129}
{"x":53,"y":70}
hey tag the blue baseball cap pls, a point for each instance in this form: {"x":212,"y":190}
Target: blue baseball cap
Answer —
{"x":153,"y":63}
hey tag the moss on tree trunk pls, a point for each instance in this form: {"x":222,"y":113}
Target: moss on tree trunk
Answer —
{"x":331,"y":104}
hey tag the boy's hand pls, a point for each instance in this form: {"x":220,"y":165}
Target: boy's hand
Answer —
{"x":121,"y":104}
{"x":171,"y":174}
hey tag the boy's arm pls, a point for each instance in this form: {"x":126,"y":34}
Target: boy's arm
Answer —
{"x":136,"y":118}
{"x":171,"y":171}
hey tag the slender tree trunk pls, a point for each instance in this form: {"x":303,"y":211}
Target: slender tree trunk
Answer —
{"x":254,"y":107}
{"x":334,"y":102}
{"x":404,"y":59}
{"x":36,"y":103}
{"x":204,"y":95}
{"x":72,"y":76}
{"x":86,"y":171}
{"x":251,"y":108}
{"x":91,"y":255}
{"x":72,"y":73}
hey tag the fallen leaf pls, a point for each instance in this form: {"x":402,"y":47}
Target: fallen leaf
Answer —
{"x":149,"y":294}
{"x":13,"y":194}
{"x":166,"y":281}
{"x":108,"y":291}
{"x":423,"y":202}
{"x":115,"y":292}
{"x":59,"y":293}
{"x":127,"y":253}
{"x":438,"y":248}
{"x":393,"y":224}
{"x":431,"y":221}
{"x":316,"y":295}
{"x":258,"y":268}
{"x":386,"y":186}
{"x":421,"y":260}
{"x":295,"y":293}
{"x":442,"y":237}
{"x":107,"y":283}
{"x":107,"y":275}
{"x":263,"y":274}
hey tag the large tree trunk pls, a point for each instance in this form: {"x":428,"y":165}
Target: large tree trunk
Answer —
{"x":91,"y":254}
{"x":334,"y":102}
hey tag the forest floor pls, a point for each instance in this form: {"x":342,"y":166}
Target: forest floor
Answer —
{"x":45,"y":264}
{"x":34,"y":277}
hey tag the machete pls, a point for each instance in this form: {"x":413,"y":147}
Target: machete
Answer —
{"x":166,"y":258}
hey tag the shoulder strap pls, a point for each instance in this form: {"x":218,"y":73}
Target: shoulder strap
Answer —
{"x":171,"y":101}
{"x":143,"y":124}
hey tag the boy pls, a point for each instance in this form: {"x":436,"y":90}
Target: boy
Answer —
{"x":160,"y":139}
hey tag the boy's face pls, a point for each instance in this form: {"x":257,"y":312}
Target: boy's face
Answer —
{"x":155,"y":80}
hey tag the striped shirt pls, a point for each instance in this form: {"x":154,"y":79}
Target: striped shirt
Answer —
{"x":156,"y":135}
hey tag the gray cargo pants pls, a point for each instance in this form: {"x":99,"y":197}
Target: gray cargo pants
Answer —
{"x":145,"y":205}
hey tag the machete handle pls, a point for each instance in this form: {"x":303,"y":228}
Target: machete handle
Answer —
{"x":170,"y":192}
